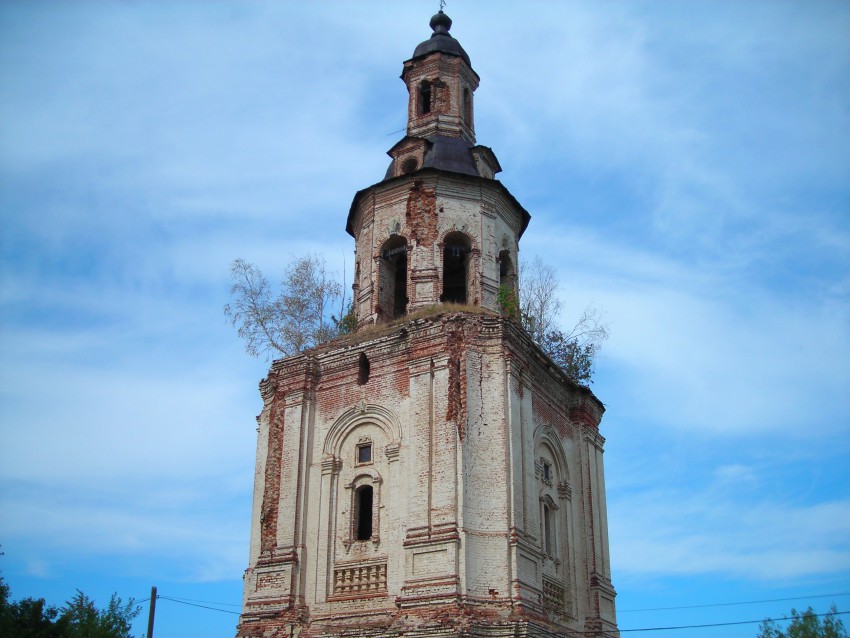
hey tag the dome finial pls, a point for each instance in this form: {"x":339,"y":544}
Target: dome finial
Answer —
{"x":440,"y":22}
{"x":441,"y":40}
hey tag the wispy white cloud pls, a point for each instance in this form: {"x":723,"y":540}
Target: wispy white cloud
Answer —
{"x":206,"y":540}
{"x":718,"y":144}
{"x":707,"y":348}
{"x":735,"y":474}
{"x":121,"y":422}
{"x":677,"y":532}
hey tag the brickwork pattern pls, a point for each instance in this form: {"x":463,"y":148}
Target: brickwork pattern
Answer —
{"x":456,"y":489}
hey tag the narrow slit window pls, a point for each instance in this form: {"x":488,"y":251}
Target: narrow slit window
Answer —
{"x":362,"y":369}
{"x":425,"y":98}
{"x":363,"y":512}
{"x":547,"y":472}
{"x":548,"y":533}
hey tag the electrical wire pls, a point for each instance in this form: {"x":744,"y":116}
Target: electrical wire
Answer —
{"x":226,"y":611}
{"x":632,"y":630}
{"x":746,"y":602}
{"x":619,"y":611}
{"x":209,"y":602}
{"x":723,"y":624}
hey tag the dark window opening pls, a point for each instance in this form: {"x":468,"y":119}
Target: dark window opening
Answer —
{"x":424,"y":98}
{"x":400,"y":297}
{"x":467,"y":106}
{"x":547,"y":472}
{"x":548,"y":540}
{"x":363,"y":512}
{"x":456,"y":253}
{"x":393,"y":292}
{"x":507,"y":273}
{"x":362,"y":369}
{"x":364,"y":453}
{"x":409,"y":165}
{"x":506,"y":268}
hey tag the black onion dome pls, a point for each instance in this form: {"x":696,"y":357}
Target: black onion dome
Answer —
{"x":441,"y":40}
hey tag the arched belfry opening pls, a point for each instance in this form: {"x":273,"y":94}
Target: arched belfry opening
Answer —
{"x":457,"y":276}
{"x":392,"y":301}
{"x":507,"y":271}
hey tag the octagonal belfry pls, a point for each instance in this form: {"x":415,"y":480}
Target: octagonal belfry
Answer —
{"x":434,"y":473}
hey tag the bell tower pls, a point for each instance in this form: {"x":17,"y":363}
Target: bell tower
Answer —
{"x":439,"y":228}
{"x":434,"y":474}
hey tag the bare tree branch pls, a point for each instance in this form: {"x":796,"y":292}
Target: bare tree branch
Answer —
{"x":297,"y":319}
{"x":539,"y":305}
{"x":574,"y":351}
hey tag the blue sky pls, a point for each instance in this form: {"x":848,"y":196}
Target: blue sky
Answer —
{"x":687,"y":169}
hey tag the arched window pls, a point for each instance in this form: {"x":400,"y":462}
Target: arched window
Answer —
{"x":392,"y":300}
{"x":456,"y":275}
{"x":467,"y":106}
{"x":363,"y":512}
{"x":363,"y":506}
{"x":424,"y":101}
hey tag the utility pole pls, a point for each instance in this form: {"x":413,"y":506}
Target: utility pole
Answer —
{"x":152,"y":612}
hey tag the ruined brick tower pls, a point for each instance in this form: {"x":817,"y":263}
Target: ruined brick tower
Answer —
{"x":434,"y":474}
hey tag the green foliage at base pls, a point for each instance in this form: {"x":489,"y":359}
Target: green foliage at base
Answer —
{"x":807,"y":624}
{"x":508,"y":302}
{"x":79,"y":618}
{"x":574,"y":358}
{"x":348,"y":323}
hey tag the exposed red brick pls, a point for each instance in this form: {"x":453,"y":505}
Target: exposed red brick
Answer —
{"x":456,"y":408}
{"x":421,"y":214}
{"x":271,"y":495}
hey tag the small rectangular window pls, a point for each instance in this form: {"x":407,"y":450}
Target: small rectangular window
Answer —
{"x":547,"y":472}
{"x":364,"y":453}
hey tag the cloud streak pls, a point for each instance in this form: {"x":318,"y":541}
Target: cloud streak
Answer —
{"x":672,"y":532}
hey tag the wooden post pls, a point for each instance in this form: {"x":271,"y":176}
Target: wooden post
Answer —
{"x":152,"y":612}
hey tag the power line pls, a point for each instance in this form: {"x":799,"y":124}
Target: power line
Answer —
{"x":209,"y":602}
{"x":746,"y":602}
{"x":723,"y":624}
{"x":226,"y":611}
{"x":672,"y":628}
